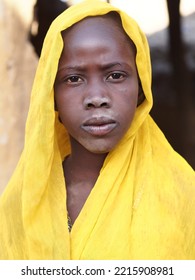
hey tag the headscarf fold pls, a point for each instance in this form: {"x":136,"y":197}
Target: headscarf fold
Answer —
{"x":143,"y":203}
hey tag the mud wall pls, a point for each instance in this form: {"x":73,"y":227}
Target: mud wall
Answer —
{"x":17,"y":69}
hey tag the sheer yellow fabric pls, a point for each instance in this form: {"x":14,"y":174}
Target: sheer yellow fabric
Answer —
{"x":143,"y":203}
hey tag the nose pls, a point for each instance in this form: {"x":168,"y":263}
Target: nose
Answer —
{"x":97,"y":96}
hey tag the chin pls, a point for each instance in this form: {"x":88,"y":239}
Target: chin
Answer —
{"x":100,"y":148}
{"x":97,"y":146}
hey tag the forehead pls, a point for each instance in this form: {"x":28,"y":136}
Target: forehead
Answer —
{"x":101,"y":27}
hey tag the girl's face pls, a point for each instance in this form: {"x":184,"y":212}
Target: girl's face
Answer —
{"x":96,"y":87}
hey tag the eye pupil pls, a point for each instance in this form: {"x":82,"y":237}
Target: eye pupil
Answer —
{"x":116,"y":76}
{"x":74,"y":79}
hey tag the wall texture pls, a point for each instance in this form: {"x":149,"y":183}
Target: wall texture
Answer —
{"x":17,"y":69}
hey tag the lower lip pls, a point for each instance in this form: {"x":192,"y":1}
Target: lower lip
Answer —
{"x":99,"y":130}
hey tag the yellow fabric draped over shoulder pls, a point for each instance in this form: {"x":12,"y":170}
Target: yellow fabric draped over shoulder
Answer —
{"x":143,"y":203}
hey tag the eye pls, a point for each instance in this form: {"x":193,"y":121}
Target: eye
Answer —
{"x":73,"y":80}
{"x":117,"y":76}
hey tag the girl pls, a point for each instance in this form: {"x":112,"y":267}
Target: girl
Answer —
{"x":97,"y":178}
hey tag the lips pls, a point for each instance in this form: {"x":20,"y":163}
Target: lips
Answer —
{"x":99,"y":126}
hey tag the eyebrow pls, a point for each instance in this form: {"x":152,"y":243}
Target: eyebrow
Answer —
{"x":103,"y":66}
{"x":111,"y":65}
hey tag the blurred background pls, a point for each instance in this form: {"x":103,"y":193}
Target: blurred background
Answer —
{"x":170,"y":28}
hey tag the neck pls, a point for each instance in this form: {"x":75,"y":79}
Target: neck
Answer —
{"x":82,"y":165}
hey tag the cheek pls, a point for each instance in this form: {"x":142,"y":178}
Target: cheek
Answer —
{"x":131,"y":97}
{"x":68,"y":116}
{"x":67,"y":103}
{"x":128,"y":91}
{"x":128,"y":105}
{"x":65,"y":110}
{"x":128,"y":97}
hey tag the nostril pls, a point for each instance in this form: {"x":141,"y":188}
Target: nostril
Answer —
{"x":104,"y":104}
{"x":96,"y":102}
{"x":90,"y":105}
{"x":101,"y":105}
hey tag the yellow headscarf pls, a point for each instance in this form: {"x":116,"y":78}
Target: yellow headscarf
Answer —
{"x":143,"y":203}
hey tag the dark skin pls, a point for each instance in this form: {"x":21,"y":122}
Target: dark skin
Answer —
{"x":96,"y":95}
